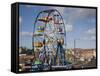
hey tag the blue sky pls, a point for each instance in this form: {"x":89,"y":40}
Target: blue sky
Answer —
{"x":79,"y":22}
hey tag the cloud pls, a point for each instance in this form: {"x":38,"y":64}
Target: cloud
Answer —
{"x":91,"y":31}
{"x":60,"y":9}
{"x":68,"y":27}
{"x":26,"y":33}
{"x":90,"y":34}
{"x":88,"y":38}
{"x":71,"y":15}
{"x":20,"y":19}
{"x":76,"y":14}
{"x":93,"y":38}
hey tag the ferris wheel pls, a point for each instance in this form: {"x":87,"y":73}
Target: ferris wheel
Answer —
{"x":49,"y":37}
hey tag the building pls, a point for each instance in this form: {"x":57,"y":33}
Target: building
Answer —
{"x":84,"y":54}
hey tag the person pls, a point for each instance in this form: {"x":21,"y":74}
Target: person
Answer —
{"x":60,"y":52}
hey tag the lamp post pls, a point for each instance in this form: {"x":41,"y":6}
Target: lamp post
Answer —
{"x":75,"y":49}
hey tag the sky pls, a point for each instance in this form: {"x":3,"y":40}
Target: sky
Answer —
{"x":80,"y":25}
